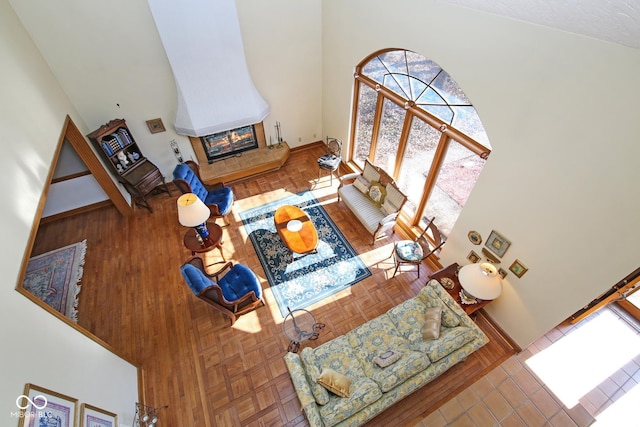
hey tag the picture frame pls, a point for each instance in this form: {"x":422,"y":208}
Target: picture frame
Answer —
{"x":502,"y":272}
{"x":92,"y":416}
{"x":474,"y":237}
{"x":518,"y":268}
{"x":497,"y":244}
{"x":155,"y":125}
{"x":473,"y":257}
{"x":41,"y":406}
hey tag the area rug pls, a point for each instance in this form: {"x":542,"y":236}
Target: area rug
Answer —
{"x":299,"y":281}
{"x":54,"y":277}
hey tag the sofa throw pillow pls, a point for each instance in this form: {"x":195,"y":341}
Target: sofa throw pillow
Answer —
{"x":387,"y":358}
{"x":335,"y":382}
{"x":431,"y":329}
{"x":361,"y":184}
{"x":377,"y":192}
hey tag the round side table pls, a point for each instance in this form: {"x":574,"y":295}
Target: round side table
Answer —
{"x":214,"y":240}
{"x":300,"y":326}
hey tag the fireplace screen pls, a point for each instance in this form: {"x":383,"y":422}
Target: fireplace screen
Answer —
{"x":219,"y":145}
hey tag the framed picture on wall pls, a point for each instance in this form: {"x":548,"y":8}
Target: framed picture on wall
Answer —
{"x":497,"y":244}
{"x":91,"y":416}
{"x":155,"y":125}
{"x":473,"y":257}
{"x":518,"y":268}
{"x":42,"y":407}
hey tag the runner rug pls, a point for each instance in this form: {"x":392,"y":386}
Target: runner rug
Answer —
{"x":54,"y":277}
{"x":299,"y":281}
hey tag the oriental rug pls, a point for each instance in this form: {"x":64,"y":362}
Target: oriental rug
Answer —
{"x":298,"y":281}
{"x":54,"y":277}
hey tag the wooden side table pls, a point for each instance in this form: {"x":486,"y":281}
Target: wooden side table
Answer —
{"x":450,"y":273}
{"x":214,"y":240}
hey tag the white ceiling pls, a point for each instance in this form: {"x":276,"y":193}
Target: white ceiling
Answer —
{"x":616,"y":21}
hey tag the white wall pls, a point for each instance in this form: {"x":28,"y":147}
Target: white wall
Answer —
{"x":560,"y":111}
{"x":36,"y":347}
{"x":106,"y":54}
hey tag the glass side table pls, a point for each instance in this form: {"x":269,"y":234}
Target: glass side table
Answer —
{"x":300,"y":326}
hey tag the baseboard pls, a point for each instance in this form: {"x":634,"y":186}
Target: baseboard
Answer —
{"x":76,"y":211}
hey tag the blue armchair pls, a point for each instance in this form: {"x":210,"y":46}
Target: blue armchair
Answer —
{"x":218,"y":197}
{"x":235,"y":293}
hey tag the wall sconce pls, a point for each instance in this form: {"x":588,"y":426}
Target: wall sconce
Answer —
{"x":146,"y":416}
{"x":480,"y":281}
{"x":192,"y":212}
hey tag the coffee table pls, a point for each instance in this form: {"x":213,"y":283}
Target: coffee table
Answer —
{"x":214,"y":240}
{"x":296,"y":229}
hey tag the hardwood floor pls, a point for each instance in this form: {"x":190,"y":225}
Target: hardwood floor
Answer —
{"x":134,"y":298}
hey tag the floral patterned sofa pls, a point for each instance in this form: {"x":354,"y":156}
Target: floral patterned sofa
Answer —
{"x":372,"y":389}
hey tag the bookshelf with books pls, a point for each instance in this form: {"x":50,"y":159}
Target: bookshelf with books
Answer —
{"x":117,"y":146}
{"x":121,"y":153}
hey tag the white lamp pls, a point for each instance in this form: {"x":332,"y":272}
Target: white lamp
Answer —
{"x":480,"y":280}
{"x":192,"y":212}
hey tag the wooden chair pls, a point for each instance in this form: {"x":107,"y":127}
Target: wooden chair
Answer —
{"x":233,"y":293}
{"x":413,"y":252}
{"x":218,"y":197}
{"x":330,"y":161}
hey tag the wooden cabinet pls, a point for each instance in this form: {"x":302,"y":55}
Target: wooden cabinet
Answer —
{"x":121,"y":153}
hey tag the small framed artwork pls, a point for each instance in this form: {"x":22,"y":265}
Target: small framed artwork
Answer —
{"x":43,"y":407}
{"x":518,"y":268}
{"x":475,"y":237}
{"x":473,"y":257}
{"x":91,"y":416}
{"x":155,"y":125}
{"x":502,"y":272}
{"x":497,"y":244}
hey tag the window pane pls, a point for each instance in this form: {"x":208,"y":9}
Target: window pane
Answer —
{"x":390,"y":129}
{"x":466,"y":120}
{"x":458,"y":175}
{"x":364,"y":124}
{"x":418,"y":156}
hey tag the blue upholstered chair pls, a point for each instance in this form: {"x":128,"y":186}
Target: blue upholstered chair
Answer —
{"x":233,"y":293}
{"x":218,"y":197}
{"x":413,"y":252}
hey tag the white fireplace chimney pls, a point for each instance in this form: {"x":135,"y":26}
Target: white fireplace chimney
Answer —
{"x":203,"y":43}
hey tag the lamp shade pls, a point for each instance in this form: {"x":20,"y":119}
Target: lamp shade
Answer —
{"x":481,"y":280}
{"x":192,"y":211}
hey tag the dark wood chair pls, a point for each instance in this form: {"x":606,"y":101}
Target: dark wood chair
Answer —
{"x":233,"y":290}
{"x":218,"y":197}
{"x":413,"y":252}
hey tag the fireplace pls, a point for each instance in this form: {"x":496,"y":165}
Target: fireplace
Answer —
{"x":229,"y":143}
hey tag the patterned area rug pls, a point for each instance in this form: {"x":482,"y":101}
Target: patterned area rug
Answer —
{"x":54,"y":278}
{"x":302,"y":280}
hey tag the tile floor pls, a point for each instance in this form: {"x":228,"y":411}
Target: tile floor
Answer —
{"x":514,"y":395}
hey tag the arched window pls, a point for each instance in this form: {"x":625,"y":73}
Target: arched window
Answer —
{"x":412,"y":119}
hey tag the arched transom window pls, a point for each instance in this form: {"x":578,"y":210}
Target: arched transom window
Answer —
{"x":412,"y":119}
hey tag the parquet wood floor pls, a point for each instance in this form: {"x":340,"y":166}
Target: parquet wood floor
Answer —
{"x":134,"y":298}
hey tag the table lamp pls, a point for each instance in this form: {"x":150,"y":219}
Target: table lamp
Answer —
{"x":480,"y":280}
{"x":192,"y":212}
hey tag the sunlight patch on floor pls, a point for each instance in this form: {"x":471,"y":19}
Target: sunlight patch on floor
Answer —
{"x":578,"y":362}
